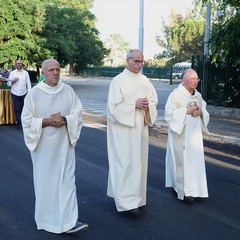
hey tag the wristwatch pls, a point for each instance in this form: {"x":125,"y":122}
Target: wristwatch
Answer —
{"x":65,"y":120}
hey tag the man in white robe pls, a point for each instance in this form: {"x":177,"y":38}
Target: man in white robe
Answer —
{"x":131,"y":108}
{"x":187,"y":118}
{"x":52,"y":121}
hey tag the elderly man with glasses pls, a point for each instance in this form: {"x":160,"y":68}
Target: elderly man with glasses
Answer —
{"x":131,"y":108}
{"x":187,"y":118}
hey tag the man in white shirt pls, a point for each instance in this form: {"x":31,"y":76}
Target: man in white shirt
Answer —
{"x":20,"y":84}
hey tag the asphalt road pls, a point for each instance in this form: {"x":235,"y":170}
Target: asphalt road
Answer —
{"x":164,"y":217}
{"x":97,"y":90}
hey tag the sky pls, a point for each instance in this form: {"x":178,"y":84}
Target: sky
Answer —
{"x":122,"y":17}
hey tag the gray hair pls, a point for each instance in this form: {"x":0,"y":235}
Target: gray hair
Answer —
{"x":186,"y":71}
{"x":131,"y":51}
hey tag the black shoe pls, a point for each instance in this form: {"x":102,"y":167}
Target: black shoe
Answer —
{"x":189,"y":199}
{"x":134,"y":212}
{"x":78,"y":227}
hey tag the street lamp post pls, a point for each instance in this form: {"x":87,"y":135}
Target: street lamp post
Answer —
{"x":207,"y":29}
{"x":141,"y":28}
{"x":206,"y":49}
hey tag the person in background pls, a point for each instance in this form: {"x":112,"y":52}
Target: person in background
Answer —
{"x":7,"y":73}
{"x":41,"y":78}
{"x":52,"y":122}
{"x":1,"y":82}
{"x":131,"y":108}
{"x":187,"y":117}
{"x":20,"y":84}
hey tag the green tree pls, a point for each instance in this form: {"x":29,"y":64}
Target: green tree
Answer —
{"x":225,"y":34}
{"x":182,"y":38}
{"x":118,"y":50}
{"x":18,"y":20}
{"x":36,"y":30}
{"x":72,"y":40}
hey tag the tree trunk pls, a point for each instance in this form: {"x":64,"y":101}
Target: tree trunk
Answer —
{"x":38,"y":71}
{"x":70,"y":72}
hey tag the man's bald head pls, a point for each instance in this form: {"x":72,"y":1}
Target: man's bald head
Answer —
{"x":51,"y":71}
{"x":47,"y":62}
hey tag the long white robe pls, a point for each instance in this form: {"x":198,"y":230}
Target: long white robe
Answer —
{"x":53,"y":154}
{"x":185,"y":164}
{"x":127,"y":139}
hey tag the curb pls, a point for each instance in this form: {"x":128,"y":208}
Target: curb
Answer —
{"x":222,"y":139}
{"x":211,"y":137}
{"x":161,"y":125}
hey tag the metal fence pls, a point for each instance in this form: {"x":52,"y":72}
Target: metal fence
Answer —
{"x":150,"y":72}
{"x":221,"y":83}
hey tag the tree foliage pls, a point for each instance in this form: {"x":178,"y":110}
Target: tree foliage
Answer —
{"x":225,"y":34}
{"x":73,"y":40}
{"x":118,"y":50}
{"x":182,"y":38}
{"x":185,"y":36}
{"x":36,"y":30}
{"x":17,"y":32}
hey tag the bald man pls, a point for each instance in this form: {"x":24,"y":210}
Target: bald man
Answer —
{"x":52,"y":122}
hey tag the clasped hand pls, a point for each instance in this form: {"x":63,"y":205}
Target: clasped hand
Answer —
{"x":194,"y":110}
{"x":142,"y":103}
{"x":57,"y":120}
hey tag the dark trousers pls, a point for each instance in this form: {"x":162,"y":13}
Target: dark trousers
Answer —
{"x":18,"y":106}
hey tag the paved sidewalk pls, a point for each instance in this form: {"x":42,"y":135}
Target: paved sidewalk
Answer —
{"x":221,"y":129}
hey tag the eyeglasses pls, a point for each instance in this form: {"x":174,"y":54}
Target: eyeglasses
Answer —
{"x":193,"y":78}
{"x":137,"y":61}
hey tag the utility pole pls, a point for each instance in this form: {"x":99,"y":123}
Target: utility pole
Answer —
{"x":141,"y":28}
{"x":206,"y":50}
{"x":207,"y":29}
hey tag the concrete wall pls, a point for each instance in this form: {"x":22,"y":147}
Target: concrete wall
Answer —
{"x":224,"y":112}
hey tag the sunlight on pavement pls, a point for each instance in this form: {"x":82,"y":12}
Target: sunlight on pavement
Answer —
{"x":94,"y":125}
